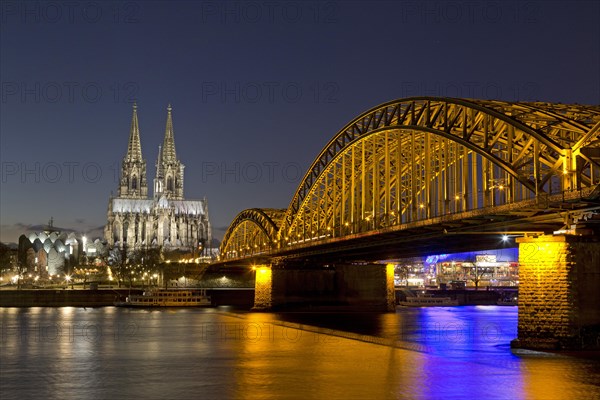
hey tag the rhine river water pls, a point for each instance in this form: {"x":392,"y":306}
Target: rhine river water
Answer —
{"x":418,"y":353}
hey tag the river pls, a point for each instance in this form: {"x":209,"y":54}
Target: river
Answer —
{"x":415,"y":353}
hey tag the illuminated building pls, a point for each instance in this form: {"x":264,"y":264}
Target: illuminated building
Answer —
{"x":478,"y":268}
{"x":166,"y":220}
{"x":47,"y":252}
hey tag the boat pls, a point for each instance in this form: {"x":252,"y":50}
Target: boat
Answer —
{"x":507,"y":301}
{"x":428,"y":300}
{"x":167,"y":298}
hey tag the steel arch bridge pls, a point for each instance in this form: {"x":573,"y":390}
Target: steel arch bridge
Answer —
{"x":421,"y":158}
{"x":253,"y":231}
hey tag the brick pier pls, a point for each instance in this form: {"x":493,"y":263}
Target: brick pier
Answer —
{"x":559,"y":292}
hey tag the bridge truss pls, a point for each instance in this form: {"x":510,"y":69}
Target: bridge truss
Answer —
{"x":420,"y":158}
{"x":253,"y":231}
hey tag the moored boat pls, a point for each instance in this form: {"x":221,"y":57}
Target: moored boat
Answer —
{"x":167,"y":298}
{"x":508,"y":301}
{"x":428,"y":300}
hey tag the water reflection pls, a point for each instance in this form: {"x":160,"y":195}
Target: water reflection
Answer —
{"x":212,"y":353}
{"x":465,"y":350}
{"x":551,"y":376}
{"x":311,"y":364}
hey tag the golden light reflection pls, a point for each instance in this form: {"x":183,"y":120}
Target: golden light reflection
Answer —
{"x":544,"y":378}
{"x":326,"y":358}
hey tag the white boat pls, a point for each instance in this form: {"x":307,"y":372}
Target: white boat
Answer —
{"x":428,"y":300}
{"x":167,"y":298}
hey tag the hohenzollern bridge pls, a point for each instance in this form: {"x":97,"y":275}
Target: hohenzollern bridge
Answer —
{"x":430,"y":175}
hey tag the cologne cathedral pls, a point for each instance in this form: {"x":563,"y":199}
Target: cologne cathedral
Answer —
{"x":165,"y":219}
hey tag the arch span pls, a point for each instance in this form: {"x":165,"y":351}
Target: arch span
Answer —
{"x":423,"y":157}
{"x":417,"y":158}
{"x":252,"y":231}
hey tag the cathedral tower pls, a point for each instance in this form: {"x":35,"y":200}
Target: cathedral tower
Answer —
{"x":169,"y":170}
{"x":133,"y":170}
{"x":167,"y":221}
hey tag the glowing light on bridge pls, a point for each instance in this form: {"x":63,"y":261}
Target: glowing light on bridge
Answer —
{"x":417,"y":159}
{"x":263,"y":287}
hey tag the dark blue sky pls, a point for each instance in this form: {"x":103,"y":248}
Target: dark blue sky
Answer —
{"x":257,"y":88}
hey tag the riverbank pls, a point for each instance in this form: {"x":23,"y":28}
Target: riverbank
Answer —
{"x":62,"y":297}
{"x":239,"y":297}
{"x":465,"y":297}
{"x":105,"y":297}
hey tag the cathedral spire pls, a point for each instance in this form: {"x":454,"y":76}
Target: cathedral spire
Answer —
{"x":169,"y":170}
{"x":133,"y":170}
{"x":159,"y":166}
{"x":134,"y":148}
{"x":159,"y":178}
{"x":168,"y":149}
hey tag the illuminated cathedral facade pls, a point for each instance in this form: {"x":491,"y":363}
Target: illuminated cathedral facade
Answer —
{"x":165,"y":219}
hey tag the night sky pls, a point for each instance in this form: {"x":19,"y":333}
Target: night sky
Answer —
{"x":257,"y":88}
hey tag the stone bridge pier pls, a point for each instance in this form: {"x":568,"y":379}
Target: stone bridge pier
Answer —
{"x":334,"y":286}
{"x":559,"y":292}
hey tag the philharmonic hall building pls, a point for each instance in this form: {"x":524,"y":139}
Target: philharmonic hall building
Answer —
{"x":165,"y":219}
